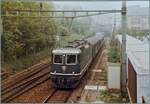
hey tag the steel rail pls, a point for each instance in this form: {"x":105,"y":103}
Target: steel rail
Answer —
{"x":21,"y":84}
{"x":28,"y":75}
{"x":49,"y":96}
{"x":26,"y":87}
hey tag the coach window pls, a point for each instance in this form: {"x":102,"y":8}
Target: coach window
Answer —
{"x":71,"y":59}
{"x":58,"y":59}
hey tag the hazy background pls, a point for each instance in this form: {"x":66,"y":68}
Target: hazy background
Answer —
{"x":100,"y":5}
{"x":137,"y":13}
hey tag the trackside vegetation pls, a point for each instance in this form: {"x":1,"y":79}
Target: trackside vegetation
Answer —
{"x":26,"y":41}
{"x":25,"y":37}
{"x":113,"y":54}
{"x":113,"y":51}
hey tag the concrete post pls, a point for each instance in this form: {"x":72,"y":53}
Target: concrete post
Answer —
{"x":149,"y":49}
{"x":124,"y":56}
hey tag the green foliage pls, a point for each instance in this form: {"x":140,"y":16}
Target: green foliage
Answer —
{"x":139,"y":34}
{"x":109,"y":96}
{"x":23,"y":36}
{"x":25,"y":39}
{"x":27,"y":61}
{"x":113,"y":54}
{"x":79,"y":29}
{"x":63,"y":30}
{"x":82,"y":27}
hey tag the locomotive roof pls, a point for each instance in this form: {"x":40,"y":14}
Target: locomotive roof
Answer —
{"x":66,"y":51}
{"x":92,"y":40}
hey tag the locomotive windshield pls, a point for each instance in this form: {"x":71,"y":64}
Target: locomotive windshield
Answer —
{"x":58,"y":59}
{"x":71,"y":59}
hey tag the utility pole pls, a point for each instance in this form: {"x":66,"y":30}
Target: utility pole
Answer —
{"x":149,"y":49}
{"x":124,"y":56}
{"x":114,"y":30}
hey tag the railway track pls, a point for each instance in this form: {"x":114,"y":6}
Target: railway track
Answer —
{"x":63,"y":96}
{"x":58,"y":96}
{"x":22,"y":76}
{"x":4,"y":74}
{"x":29,"y":80}
{"x":71,"y":96}
{"x":76,"y":96}
{"x":33,"y":78}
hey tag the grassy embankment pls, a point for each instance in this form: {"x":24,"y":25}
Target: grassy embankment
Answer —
{"x":14,"y":66}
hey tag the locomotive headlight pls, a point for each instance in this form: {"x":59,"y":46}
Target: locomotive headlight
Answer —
{"x":63,"y":68}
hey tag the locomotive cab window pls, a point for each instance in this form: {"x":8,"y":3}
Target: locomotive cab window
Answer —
{"x":57,"y":59}
{"x":71,"y":59}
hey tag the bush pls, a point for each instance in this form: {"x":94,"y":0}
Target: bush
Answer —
{"x":14,"y":66}
{"x":113,"y":54}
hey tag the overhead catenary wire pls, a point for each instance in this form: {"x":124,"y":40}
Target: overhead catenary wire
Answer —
{"x":87,"y":13}
{"x":73,"y":0}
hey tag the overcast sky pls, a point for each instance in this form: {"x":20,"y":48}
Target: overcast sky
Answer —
{"x":100,"y":5}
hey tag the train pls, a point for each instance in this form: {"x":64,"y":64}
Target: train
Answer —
{"x":70,"y":63}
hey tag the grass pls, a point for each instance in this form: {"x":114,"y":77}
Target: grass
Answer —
{"x":111,"y":96}
{"x":113,"y":54}
{"x":14,"y":66}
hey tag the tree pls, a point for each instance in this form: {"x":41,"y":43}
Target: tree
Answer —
{"x":23,"y":36}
